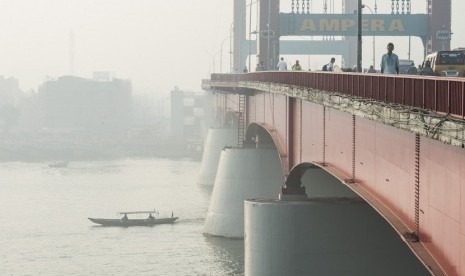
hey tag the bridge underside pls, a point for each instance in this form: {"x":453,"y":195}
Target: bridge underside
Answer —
{"x":333,"y":232}
{"x":323,"y":183}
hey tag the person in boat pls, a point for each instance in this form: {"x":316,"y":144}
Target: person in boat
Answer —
{"x":151,"y":217}
{"x":125,"y":217}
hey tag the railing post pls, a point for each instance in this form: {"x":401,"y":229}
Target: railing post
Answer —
{"x":448,"y":98}
{"x":403,"y":91}
{"x":463,"y":100}
{"x":423,"y":94}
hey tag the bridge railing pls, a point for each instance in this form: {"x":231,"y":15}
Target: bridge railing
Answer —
{"x":439,"y":94}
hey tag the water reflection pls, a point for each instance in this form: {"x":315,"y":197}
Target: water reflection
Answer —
{"x":48,"y":231}
{"x":85,"y":168}
{"x":229,"y":253}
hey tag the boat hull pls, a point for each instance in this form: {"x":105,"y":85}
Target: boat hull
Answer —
{"x":132,"y":222}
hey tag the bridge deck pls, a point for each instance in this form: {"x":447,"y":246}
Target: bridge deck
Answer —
{"x":439,"y":94}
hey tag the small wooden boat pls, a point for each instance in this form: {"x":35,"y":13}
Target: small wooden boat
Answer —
{"x":126,"y":222}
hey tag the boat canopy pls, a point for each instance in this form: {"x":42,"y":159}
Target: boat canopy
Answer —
{"x":138,"y":212}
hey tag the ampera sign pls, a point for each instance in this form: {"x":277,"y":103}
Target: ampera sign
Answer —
{"x":336,"y":25}
{"x":346,"y":24}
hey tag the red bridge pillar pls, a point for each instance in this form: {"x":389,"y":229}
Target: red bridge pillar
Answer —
{"x":268,"y":33}
{"x":440,"y":24}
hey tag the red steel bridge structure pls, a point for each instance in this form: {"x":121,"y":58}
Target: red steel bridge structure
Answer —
{"x":398,"y":141}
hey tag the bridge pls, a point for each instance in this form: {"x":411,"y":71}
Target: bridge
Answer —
{"x":397,"y":142}
{"x":337,"y":173}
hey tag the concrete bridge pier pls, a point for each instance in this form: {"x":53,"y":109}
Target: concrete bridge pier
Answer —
{"x":243,"y":173}
{"x":217,"y":139}
{"x":324,"y":235}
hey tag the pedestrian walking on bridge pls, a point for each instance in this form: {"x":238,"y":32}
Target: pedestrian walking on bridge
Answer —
{"x":390,"y":61}
{"x":296,"y":66}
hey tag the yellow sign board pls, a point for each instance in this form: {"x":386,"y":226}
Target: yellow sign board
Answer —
{"x":338,"y":25}
{"x":346,"y":24}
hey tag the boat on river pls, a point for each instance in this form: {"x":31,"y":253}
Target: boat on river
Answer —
{"x":151,"y":220}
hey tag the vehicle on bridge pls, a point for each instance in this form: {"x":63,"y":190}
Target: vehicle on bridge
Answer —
{"x":404,"y":65}
{"x":447,"y":63}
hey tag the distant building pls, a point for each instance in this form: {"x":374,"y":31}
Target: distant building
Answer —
{"x":187,"y":115}
{"x":102,"y":76}
{"x":10,"y":96}
{"x":143,"y":111}
{"x":74,"y":102}
{"x":9,"y":91}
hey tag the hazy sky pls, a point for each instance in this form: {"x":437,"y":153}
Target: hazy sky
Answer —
{"x":157,"y":44}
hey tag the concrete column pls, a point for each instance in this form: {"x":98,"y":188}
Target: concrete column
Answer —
{"x":217,"y":139}
{"x":242,"y":174}
{"x":323,"y":236}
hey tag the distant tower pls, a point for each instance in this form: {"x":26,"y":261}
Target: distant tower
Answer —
{"x":72,"y":52}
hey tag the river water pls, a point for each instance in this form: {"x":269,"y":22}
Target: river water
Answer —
{"x":45,"y":230}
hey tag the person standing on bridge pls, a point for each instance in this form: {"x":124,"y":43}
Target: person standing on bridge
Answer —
{"x":330,"y":66}
{"x":426,"y":70}
{"x":282,"y":65}
{"x":296,"y":66}
{"x":260,"y":66}
{"x":412,"y":70}
{"x":390,"y":61}
{"x":371,"y":70}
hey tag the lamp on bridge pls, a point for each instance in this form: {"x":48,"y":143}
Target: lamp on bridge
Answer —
{"x":250,"y":30}
{"x":359,"y":36}
{"x":256,"y":37}
{"x":221,"y":53}
{"x":213,"y":57}
{"x":374,"y":53}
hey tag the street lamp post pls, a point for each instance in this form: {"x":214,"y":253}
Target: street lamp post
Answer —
{"x":359,"y":36}
{"x":213,"y":57}
{"x":221,"y":53}
{"x":256,"y":37}
{"x":250,"y":29}
{"x":374,"y":53}
{"x":268,"y":36}
{"x":231,"y":66}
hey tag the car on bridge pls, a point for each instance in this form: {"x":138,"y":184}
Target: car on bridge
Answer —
{"x":404,"y":65}
{"x":446,"y":63}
